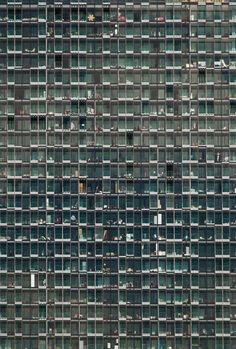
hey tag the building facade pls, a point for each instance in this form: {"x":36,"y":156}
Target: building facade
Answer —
{"x":117,"y":174}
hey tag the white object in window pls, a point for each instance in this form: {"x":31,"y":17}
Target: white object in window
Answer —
{"x":155,"y":219}
{"x":32,"y":280}
{"x":187,"y":253}
{"x":201,"y":64}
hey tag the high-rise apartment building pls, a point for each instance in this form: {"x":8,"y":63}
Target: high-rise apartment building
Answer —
{"x":117,"y":174}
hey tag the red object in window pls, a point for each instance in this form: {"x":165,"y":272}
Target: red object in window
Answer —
{"x":122,"y":19}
